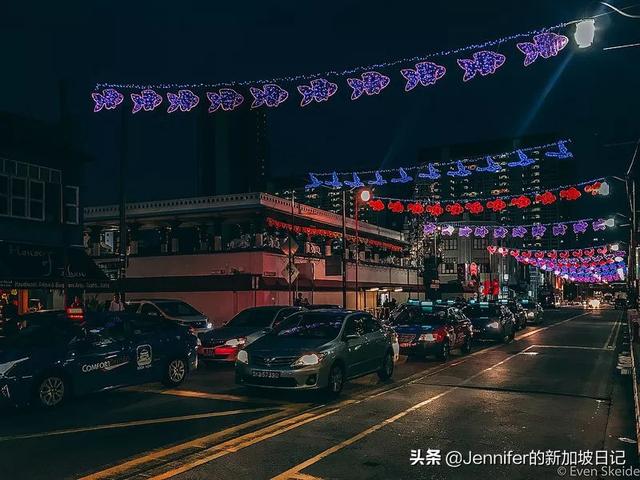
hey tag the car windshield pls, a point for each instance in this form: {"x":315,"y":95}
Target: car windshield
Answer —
{"x":177,"y":309}
{"x":253,"y":317}
{"x":311,"y":325}
{"x":481,"y":310}
{"x":420,"y":316}
{"x":41,"y":335}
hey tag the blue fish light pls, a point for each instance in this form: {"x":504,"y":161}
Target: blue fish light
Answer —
{"x":425,"y":73}
{"x":523,"y":160}
{"x":185,"y":100}
{"x":545,"y":45}
{"x":371,"y":83}
{"x":492,"y":166}
{"x":109,"y":99}
{"x":460,"y":171}
{"x":146,"y":100}
{"x":403,"y":178}
{"x":318,"y":90}
{"x":432,"y":173}
{"x":484,"y":63}
{"x":270,"y":95}
{"x":226,"y":98}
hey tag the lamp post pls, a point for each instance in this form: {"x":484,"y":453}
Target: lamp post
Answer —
{"x":365,"y":196}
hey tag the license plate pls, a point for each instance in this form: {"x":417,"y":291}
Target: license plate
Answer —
{"x":265,"y":374}
{"x":405,"y":345}
{"x":208,"y":351}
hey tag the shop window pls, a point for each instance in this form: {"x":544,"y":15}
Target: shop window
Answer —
{"x":36,"y":200}
{"x":18,"y":197}
{"x":71,"y":204}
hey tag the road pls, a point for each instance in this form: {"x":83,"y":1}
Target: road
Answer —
{"x":555,"y":387}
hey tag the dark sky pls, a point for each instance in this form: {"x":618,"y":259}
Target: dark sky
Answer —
{"x":590,"y":95}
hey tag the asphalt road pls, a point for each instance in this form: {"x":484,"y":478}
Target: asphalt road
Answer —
{"x":555,"y":388}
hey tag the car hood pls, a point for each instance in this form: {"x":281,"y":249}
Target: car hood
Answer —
{"x":286,"y":345}
{"x":415,"y":328}
{"x":227,"y":333}
{"x":9,"y":352}
{"x":189,"y":318}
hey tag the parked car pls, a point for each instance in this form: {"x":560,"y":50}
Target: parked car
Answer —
{"x":224,"y":343}
{"x":534,"y":311}
{"x":620,"y":303}
{"x":52,"y":357}
{"x":317,"y":350}
{"x":491,"y":321}
{"x":322,"y":306}
{"x":519,"y":313}
{"x":175,"y":310}
{"x":432,"y":329}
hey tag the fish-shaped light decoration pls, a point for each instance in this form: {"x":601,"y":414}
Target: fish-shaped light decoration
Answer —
{"x":523,"y":160}
{"x":355,"y":183}
{"x":403,"y":178}
{"x":110,"y":98}
{"x":538,"y":230}
{"x":334,"y":182}
{"x":226,"y":98}
{"x":518,"y":232}
{"x":315,"y":183}
{"x":492,"y":166}
{"x":484,"y":62}
{"x":270,"y":95}
{"x":559,"y":229}
{"x":378,"y":180}
{"x":146,"y":100}
{"x":500,"y":232}
{"x":184,"y":100}
{"x":371,"y":83}
{"x":544,"y":45}
{"x":318,"y":90}
{"x":562,"y":152}
{"x":433,"y":173}
{"x":465,"y":231}
{"x":425,"y":73}
{"x":460,"y":171}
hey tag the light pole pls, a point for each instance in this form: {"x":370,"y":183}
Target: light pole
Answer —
{"x":344,"y":249}
{"x":365,"y":196}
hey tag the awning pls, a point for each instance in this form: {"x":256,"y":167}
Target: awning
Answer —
{"x":40,"y":266}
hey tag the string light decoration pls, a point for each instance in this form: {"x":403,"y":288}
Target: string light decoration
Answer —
{"x":496,"y":204}
{"x":461,"y":167}
{"x":482,"y":61}
{"x":184,"y":100}
{"x":536,"y":230}
{"x":318,"y":90}
{"x":545,"y":45}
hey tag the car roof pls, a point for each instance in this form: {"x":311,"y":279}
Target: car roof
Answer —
{"x":156,"y":300}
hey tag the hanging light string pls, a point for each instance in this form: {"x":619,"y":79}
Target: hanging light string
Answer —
{"x":463,"y":223}
{"x":336,"y":73}
{"x":503,"y":197}
{"x":479,"y":158}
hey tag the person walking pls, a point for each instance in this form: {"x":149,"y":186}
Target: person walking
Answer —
{"x":116,"y":305}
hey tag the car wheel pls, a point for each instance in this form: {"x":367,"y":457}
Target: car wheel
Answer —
{"x":466,"y":346}
{"x":386,"y":372}
{"x":444,"y":352}
{"x":175,"y":372}
{"x":505,"y":336}
{"x":336,"y":380}
{"x":51,"y":391}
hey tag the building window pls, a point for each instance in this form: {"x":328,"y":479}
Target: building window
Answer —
{"x":18,"y":197}
{"x":448,"y":265}
{"x":36,"y":200}
{"x":71,"y":204}
{"x":450,"y":244}
{"x":480,"y":243}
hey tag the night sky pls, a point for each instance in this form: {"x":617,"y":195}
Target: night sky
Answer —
{"x":590,"y":95}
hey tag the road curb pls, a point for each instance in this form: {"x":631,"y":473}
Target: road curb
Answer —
{"x":634,"y":349}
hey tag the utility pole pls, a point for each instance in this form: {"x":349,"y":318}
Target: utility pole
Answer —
{"x":344,"y":249}
{"x":122,"y":207}
{"x":291,"y":257}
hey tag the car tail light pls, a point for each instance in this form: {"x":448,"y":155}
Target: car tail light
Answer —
{"x":75,"y":313}
{"x":439,"y":334}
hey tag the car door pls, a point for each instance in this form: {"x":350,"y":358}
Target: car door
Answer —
{"x":377,"y":343}
{"x":152,"y":311}
{"x":460,"y":326}
{"x":355,"y":339}
{"x":151,"y":345}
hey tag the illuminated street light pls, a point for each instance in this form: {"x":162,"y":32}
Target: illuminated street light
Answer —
{"x":610,"y":222}
{"x":585,"y":31}
{"x":604,"y":188}
{"x":365,"y":195}
{"x":615,"y":247}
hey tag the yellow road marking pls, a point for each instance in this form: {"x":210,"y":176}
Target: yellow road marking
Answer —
{"x":297,"y":469}
{"x":198,"y":442}
{"x":135,"y":423}
{"x":236,"y":444}
{"x":210,"y":396}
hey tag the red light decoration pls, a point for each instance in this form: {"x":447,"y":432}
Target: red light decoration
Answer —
{"x":474,"y":207}
{"x":496,"y":205}
{"x":521,"y":201}
{"x":455,"y":209}
{"x":396,"y":207}
{"x":570,"y":194}
{"x":376,"y":205}
{"x":577,"y":253}
{"x":416,"y":208}
{"x":436,"y":209}
{"x":588,"y":252}
{"x":547,"y":198}
{"x":552,"y":254}
{"x":539,"y":254}
{"x":593,"y":188}
{"x":492,"y":249}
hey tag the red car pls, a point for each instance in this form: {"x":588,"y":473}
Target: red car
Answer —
{"x":428,"y":329}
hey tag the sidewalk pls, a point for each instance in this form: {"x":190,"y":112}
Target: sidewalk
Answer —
{"x":633,"y":316}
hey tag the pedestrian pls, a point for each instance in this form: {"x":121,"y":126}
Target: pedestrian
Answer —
{"x":77,"y":302}
{"x":305,"y":302}
{"x":298,"y":300}
{"x":116,"y":305}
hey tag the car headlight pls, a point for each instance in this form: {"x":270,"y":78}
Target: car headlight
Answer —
{"x":209,"y":325}
{"x":308,"y":359}
{"x":235,"y":342}
{"x":243,"y":356}
{"x":7,"y":366}
{"x":493,"y":325}
{"x":530,"y":314}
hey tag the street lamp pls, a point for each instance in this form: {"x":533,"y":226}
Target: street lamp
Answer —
{"x":585,"y":32}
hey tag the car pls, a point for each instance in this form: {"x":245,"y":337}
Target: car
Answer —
{"x":52,"y":357}
{"x":620,"y":303}
{"x":175,"y":310}
{"x":322,"y":306}
{"x":317,"y":350}
{"x":491,"y":321}
{"x":519,"y":313}
{"x":432,"y":329}
{"x":534,"y":311}
{"x":224,"y":343}
{"x":593,"y":303}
